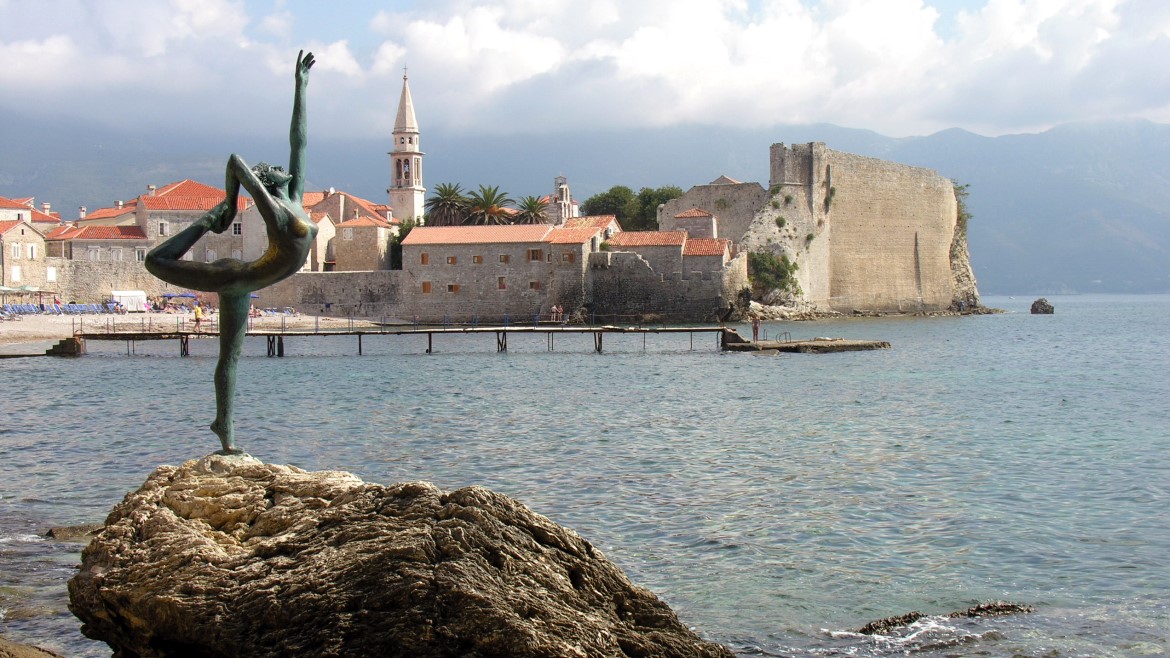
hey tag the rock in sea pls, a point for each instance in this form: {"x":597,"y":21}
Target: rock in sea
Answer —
{"x":228,"y":556}
{"x":1042,"y":307}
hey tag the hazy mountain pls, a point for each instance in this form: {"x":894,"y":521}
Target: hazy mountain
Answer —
{"x":1080,"y":208}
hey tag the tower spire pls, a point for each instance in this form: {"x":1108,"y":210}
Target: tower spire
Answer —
{"x":406,"y":175}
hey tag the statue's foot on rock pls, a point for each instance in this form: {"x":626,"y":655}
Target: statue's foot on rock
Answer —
{"x":225,"y":439}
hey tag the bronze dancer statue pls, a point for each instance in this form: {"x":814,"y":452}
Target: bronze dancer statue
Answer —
{"x":277,"y":195}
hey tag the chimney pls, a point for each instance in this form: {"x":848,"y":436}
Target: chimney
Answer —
{"x":118,"y":204}
{"x":81,"y":212}
{"x":150,"y":190}
{"x":46,"y":207}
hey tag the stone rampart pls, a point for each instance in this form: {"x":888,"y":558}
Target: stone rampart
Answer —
{"x":733,"y":205}
{"x":371,"y":294}
{"x":622,"y":286}
{"x":85,"y":281}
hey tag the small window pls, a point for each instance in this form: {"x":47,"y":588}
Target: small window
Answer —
{"x":452,"y":287}
{"x":237,"y":254}
{"x":16,"y":250}
{"x":549,"y":257}
{"x":451,"y":260}
{"x":535,"y":255}
{"x":15,"y":273}
{"x":534,"y":285}
{"x":32,"y":252}
{"x":347,"y":233}
{"x":426,"y":287}
{"x":477,"y":259}
{"x":163,"y":228}
{"x":504,"y":258}
{"x":567,"y":257}
{"x":95,"y":253}
{"x":140,"y":254}
{"x":210,"y":256}
{"x":426,"y":259}
{"x":50,"y":274}
{"x":116,"y":254}
{"x":237,"y":228}
{"x":502,"y":283}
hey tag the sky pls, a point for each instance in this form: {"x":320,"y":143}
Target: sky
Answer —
{"x":897,"y":67}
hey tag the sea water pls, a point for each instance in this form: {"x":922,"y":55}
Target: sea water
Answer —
{"x":775,"y":502}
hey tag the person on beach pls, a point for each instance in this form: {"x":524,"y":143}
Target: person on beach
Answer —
{"x":755,"y":328}
{"x":278,"y":196}
{"x":198,"y":310}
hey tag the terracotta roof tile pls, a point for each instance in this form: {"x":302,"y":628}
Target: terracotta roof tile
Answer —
{"x":199,"y":203}
{"x":364,"y":221}
{"x":648,"y":239}
{"x":13,"y":204}
{"x":694,"y":212}
{"x":512,"y":233}
{"x":706,"y":247}
{"x":97,"y":233}
{"x":8,"y":224}
{"x":189,"y":188}
{"x":572,"y":235}
{"x":106,"y":213}
{"x":599,"y":221}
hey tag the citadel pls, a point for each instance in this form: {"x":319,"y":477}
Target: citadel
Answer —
{"x":859,"y":234}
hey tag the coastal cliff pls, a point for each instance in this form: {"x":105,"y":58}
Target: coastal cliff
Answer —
{"x":228,"y":556}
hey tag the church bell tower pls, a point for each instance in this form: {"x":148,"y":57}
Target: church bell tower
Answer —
{"x":406,"y":173}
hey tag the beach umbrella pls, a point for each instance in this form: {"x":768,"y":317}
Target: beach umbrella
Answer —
{"x":187,"y":294}
{"x":255,"y":296}
{"x":168,"y":295}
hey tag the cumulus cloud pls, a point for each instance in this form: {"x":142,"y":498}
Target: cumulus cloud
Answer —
{"x":896,"y":66}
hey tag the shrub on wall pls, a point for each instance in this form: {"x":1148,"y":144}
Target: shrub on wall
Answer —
{"x":768,"y":272}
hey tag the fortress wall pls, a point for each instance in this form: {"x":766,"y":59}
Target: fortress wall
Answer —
{"x":892,"y":229}
{"x":86,"y":281}
{"x":622,"y":284}
{"x":374,"y":294}
{"x":734,"y":206}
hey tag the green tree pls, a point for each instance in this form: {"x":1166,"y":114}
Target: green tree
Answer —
{"x":645,"y":217}
{"x":396,"y":243}
{"x":964,"y":215}
{"x":448,"y":206}
{"x":488,"y":205}
{"x":532,"y":211}
{"x":619,"y":201}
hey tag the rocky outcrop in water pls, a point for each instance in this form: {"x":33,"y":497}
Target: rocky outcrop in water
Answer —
{"x":989,"y":609}
{"x":227,"y":556}
{"x":1042,"y":307}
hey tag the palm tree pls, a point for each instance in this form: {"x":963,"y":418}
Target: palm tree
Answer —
{"x":532,"y":211}
{"x":488,"y":206}
{"x":448,"y":206}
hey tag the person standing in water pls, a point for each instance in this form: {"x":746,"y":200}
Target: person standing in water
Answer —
{"x":277,"y":195}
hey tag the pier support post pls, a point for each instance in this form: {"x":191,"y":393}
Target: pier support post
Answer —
{"x":597,"y":341}
{"x":271,"y":345}
{"x":184,"y":346}
{"x":501,"y":341}
{"x":429,"y":342}
{"x":359,"y":344}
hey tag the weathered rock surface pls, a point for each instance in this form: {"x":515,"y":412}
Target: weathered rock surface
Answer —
{"x":1042,"y":307}
{"x":988,"y":609}
{"x":14,"y":650}
{"x":227,"y":556}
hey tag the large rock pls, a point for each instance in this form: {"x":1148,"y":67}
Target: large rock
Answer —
{"x":227,"y":556}
{"x":1042,"y":307}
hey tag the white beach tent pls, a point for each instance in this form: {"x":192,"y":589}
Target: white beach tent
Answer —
{"x":133,"y":300}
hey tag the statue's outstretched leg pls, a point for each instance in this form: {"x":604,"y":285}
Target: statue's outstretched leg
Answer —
{"x":233,"y":327}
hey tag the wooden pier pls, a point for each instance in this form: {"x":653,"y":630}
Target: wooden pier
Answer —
{"x":727,"y":339}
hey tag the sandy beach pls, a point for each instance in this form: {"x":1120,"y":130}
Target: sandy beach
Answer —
{"x":32,"y":330}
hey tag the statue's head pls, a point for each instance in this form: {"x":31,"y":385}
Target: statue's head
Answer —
{"x":271,"y":177}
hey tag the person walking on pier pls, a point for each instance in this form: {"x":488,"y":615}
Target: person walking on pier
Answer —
{"x":278,"y":197}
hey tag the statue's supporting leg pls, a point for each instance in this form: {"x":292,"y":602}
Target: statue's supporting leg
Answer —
{"x":233,"y":327}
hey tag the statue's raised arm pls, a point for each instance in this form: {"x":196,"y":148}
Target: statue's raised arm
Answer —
{"x":298,"y":132}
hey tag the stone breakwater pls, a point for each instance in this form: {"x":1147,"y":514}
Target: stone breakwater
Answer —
{"x":228,"y":556}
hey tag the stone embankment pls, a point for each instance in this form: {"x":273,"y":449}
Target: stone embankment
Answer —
{"x":228,"y":556}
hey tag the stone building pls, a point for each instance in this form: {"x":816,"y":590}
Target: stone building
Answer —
{"x":362,"y":243}
{"x":22,"y":254}
{"x":493,"y":273}
{"x":697,"y":223}
{"x":865,"y":234}
{"x":561,"y":204}
{"x":25,"y":209}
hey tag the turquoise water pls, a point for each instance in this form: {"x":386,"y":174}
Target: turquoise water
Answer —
{"x":774,"y":502}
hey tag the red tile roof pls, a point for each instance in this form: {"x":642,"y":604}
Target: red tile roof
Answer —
{"x":599,"y":221}
{"x":199,"y":203}
{"x":107,"y":213}
{"x":365,"y":221}
{"x":706,"y":247}
{"x":96,"y":233}
{"x":694,"y":212}
{"x":648,"y":239}
{"x":13,"y":204}
{"x":8,"y":224}
{"x":512,"y":233}
{"x":571,"y":235}
{"x":189,"y":188}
